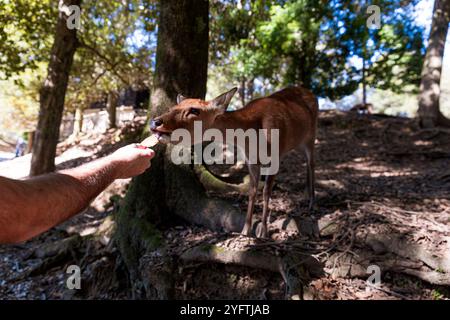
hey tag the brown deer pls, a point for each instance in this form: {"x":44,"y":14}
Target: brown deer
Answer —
{"x":363,"y":107}
{"x":293,"y":111}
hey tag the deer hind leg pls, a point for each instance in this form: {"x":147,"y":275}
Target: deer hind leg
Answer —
{"x":266,"y":198}
{"x":310,"y":168}
{"x":253,"y":190}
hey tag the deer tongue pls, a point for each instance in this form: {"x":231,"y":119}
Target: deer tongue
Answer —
{"x":163,"y":137}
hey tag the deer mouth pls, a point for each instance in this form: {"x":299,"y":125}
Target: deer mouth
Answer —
{"x":162,"y":135}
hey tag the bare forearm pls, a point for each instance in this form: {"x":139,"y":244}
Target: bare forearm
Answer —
{"x":28,"y":208}
{"x":33,"y":206}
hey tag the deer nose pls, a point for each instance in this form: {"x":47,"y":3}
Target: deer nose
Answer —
{"x":155,"y":123}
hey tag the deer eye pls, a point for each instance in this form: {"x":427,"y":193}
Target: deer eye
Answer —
{"x":194,"y":111}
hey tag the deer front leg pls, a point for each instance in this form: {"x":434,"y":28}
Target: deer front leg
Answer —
{"x":253,"y":190}
{"x":266,"y":198}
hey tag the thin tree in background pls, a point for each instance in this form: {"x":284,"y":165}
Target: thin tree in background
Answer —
{"x":111,"y":107}
{"x":429,"y":112}
{"x":53,"y":92}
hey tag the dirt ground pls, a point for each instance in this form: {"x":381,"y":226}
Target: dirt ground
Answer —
{"x":383,"y":185}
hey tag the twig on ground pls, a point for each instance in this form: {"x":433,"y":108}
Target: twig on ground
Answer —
{"x":390,"y":292}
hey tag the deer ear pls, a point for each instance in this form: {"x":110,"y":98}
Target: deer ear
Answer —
{"x":180,"y":98}
{"x":221,"y":102}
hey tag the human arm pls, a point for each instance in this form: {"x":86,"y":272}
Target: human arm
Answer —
{"x":30,"y":207}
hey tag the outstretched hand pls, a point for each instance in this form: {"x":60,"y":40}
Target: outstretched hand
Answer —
{"x":131,"y":160}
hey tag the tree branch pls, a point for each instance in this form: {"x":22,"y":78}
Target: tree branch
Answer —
{"x":112,"y":65}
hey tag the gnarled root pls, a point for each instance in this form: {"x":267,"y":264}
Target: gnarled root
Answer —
{"x":296,"y":270}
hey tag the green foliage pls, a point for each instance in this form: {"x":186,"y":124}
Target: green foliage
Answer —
{"x":20,"y":100}
{"x":394,"y":54}
{"x":261,"y":44}
{"x":106,"y":59}
{"x":437,"y":295}
{"x":25,"y":34}
{"x":315,"y":43}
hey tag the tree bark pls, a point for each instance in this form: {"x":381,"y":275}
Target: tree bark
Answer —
{"x":112,"y":109}
{"x":242,"y":91}
{"x":53,"y":93}
{"x":250,"y":89}
{"x":30,"y":141}
{"x":429,"y":113}
{"x":182,"y":52}
{"x":364,"y":84}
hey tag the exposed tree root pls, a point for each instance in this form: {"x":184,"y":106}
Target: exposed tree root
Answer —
{"x":58,"y":247}
{"x":158,"y":275}
{"x":56,"y":253}
{"x":154,"y":198}
{"x":186,"y":198}
{"x":416,"y":252}
{"x":51,"y":255}
{"x":427,"y":122}
{"x":296,"y":270}
{"x":212,"y":183}
{"x":391,"y":253}
{"x":435,"y":131}
{"x":430,"y":276}
{"x":355,"y":265}
{"x":443,"y":121}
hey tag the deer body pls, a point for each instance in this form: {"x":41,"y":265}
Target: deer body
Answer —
{"x":293,"y":111}
{"x":363,"y":107}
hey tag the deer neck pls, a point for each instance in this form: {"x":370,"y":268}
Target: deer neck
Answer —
{"x":240,"y":119}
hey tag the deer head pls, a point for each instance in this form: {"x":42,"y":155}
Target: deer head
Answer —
{"x":187,"y":111}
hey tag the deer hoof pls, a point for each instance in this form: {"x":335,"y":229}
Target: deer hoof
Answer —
{"x":261,"y":231}
{"x":246,"y":231}
{"x":311,"y":207}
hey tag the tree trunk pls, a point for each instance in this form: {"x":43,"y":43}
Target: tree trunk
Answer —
{"x":53,"y":93}
{"x":242,"y":91}
{"x":167,"y":189}
{"x":429,"y":113}
{"x":250,"y":89}
{"x":364,"y":84}
{"x":182,"y":52}
{"x":30,"y":141}
{"x":112,"y":109}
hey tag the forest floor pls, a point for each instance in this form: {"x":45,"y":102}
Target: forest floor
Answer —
{"x":383,"y":201}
